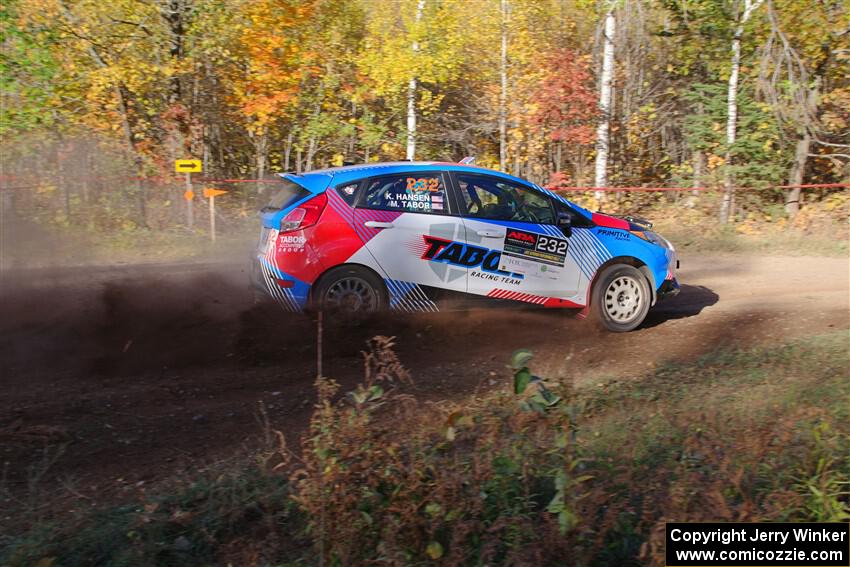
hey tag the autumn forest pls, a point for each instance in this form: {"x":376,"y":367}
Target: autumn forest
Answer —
{"x":716,"y":94}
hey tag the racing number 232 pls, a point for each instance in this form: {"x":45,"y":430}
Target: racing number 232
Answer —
{"x":556,"y":246}
{"x":431,"y":184}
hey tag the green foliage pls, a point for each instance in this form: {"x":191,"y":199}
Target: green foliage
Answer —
{"x":758,"y":159}
{"x":478,"y":487}
{"x":173,"y":528}
{"x":27,"y":69}
{"x":534,"y":394}
{"x":824,"y":479}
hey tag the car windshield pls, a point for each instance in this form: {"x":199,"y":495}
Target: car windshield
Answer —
{"x":287,"y":194}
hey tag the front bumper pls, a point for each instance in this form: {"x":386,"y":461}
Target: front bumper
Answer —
{"x":669,"y":288}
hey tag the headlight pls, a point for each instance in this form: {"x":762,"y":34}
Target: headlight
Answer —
{"x":654,"y":237}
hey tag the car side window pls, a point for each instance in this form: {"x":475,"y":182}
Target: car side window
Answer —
{"x":415,"y":192}
{"x":576,"y":220}
{"x":496,"y":199}
{"x":348,"y":191}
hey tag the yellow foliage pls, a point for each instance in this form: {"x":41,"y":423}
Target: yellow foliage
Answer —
{"x":715,"y":161}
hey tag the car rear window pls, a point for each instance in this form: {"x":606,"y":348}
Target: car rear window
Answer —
{"x":287,"y":193}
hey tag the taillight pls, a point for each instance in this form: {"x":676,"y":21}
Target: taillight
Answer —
{"x":304,"y":215}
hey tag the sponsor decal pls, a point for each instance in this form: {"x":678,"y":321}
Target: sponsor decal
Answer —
{"x":291,"y":243}
{"x":511,"y":280}
{"x":532,"y":254}
{"x":522,"y":237}
{"x":424,"y":194}
{"x":468,"y":256}
{"x":431,"y":184}
{"x":616,"y":234}
{"x":411,"y":201}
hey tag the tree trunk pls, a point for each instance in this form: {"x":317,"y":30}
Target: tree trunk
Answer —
{"x":86,"y":174}
{"x":559,"y":156}
{"x":726,"y":204}
{"x":411,"y":91}
{"x":604,"y":128}
{"x":287,"y":151}
{"x":172,"y":12}
{"x":261,"y":145}
{"x":62,"y":177}
{"x":141,"y":196}
{"x":731,"y":126}
{"x":311,"y":152}
{"x":698,"y":161}
{"x":795,"y":177}
{"x":351,"y":153}
{"x":503,"y":95}
{"x":516,"y":170}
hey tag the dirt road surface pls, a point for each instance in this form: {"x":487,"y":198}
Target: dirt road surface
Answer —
{"x":122,"y":376}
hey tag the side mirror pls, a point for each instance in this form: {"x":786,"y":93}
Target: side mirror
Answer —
{"x":565,"y":223}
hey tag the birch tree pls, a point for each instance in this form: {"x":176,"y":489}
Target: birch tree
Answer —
{"x":503,"y":93}
{"x":603,"y":131}
{"x":411,"y":90}
{"x":732,"y":109}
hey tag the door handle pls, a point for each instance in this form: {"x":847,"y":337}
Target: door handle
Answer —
{"x":490,"y":233}
{"x":377,"y":224}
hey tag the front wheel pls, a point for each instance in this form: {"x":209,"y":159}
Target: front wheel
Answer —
{"x":350,"y":291}
{"x":620,"y":298}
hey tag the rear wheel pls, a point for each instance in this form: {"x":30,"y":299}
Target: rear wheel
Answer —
{"x":620,"y":298}
{"x":351,"y":291}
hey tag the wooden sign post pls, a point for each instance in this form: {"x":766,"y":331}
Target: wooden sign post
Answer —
{"x":210,"y":194}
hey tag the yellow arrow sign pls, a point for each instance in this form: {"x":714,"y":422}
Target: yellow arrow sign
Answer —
{"x":210,"y":192}
{"x":187,"y":165}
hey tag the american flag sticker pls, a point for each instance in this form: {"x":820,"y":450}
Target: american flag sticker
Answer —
{"x":436,"y":198}
{"x":437,"y":206}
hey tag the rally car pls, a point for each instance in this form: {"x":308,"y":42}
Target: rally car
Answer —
{"x":418,"y":236}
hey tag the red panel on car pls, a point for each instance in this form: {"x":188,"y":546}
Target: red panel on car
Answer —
{"x":609,"y":222}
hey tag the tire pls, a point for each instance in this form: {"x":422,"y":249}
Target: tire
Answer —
{"x":350,"y":291}
{"x":620,"y":298}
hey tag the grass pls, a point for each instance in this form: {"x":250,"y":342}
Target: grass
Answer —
{"x":740,"y":434}
{"x":769,"y":240}
{"x":70,"y":246}
{"x":819,"y":229}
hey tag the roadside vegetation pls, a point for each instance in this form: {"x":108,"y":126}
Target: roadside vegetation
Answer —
{"x":541,"y":471}
{"x":98,"y":99}
{"x":688,"y":220}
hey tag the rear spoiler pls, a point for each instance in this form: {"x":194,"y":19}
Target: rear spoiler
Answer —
{"x":315,"y":183}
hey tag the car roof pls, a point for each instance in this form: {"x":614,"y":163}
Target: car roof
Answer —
{"x":318,"y":180}
{"x":354,"y":172}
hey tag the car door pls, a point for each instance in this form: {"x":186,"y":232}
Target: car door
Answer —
{"x":412,"y":212}
{"x":520,"y":224}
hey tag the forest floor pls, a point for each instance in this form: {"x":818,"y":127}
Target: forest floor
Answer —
{"x":116,"y":378}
